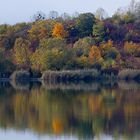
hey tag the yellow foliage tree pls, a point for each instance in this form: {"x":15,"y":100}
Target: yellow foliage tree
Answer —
{"x":22,"y":52}
{"x":59,"y":31}
{"x":110,"y":54}
{"x":40,"y":30}
{"x":83,"y":61}
{"x":37,"y":59}
{"x":106,"y":46}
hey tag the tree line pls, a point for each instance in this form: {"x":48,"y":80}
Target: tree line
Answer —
{"x":83,"y":41}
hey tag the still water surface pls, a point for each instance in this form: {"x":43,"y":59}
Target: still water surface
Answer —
{"x":80,"y":111}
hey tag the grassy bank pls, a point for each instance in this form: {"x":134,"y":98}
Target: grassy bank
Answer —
{"x":71,"y":75}
{"x":91,"y":75}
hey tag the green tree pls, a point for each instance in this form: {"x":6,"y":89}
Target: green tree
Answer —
{"x":3,"y":28}
{"x":52,"y":54}
{"x":82,"y":46}
{"x":48,"y":59}
{"x":6,"y":64}
{"x":99,"y":32}
{"x":52,"y":43}
{"x":84,"y":24}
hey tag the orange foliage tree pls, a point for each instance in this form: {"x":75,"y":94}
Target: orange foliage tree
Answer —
{"x":59,"y":31}
{"x":38,"y":31}
{"x":105,"y":47}
{"x":95,"y":55}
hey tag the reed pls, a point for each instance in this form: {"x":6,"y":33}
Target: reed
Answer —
{"x":71,"y":75}
{"x":129,"y":74}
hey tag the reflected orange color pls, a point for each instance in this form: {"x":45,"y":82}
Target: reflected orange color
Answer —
{"x":110,"y":110}
{"x":94,"y":103}
{"x":57,"y":126}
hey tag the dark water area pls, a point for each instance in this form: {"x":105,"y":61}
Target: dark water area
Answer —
{"x":104,"y":110}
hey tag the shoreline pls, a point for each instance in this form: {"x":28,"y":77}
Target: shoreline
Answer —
{"x":75,"y":75}
{"x":77,"y":85}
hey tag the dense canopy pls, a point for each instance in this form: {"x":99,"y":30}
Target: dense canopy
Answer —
{"x":79,"y":42}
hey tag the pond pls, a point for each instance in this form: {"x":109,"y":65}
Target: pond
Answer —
{"x":72,"y":111}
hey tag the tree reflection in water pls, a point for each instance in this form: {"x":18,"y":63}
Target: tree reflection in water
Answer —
{"x":82,"y":109}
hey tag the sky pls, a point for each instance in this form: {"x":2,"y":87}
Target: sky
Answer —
{"x":14,"y":11}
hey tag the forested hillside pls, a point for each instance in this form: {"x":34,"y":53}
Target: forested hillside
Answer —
{"x":82,"y":41}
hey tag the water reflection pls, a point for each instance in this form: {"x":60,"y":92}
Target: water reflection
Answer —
{"x":103,"y":110}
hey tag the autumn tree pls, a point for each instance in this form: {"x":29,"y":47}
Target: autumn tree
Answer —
{"x":82,"y":62}
{"x":37,"y":60}
{"x":131,"y":48}
{"x":81,"y":49}
{"x":110,"y":54}
{"x":73,"y":32}
{"x":22,"y":52}
{"x":95,"y":55}
{"x":82,"y":46}
{"x":108,"y":50}
{"x":8,"y":36}
{"x":52,"y":54}
{"x":38,"y":30}
{"x":48,"y":59}
{"x":59,"y":31}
